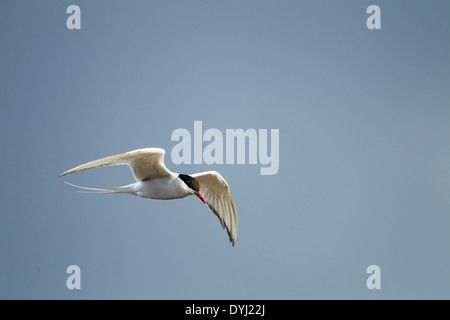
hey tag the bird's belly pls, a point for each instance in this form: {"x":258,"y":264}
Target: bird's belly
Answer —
{"x":158,"y":189}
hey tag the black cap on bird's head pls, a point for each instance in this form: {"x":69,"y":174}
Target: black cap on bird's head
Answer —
{"x":193,"y":184}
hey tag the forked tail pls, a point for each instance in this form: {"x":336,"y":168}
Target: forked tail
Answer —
{"x":124,"y":189}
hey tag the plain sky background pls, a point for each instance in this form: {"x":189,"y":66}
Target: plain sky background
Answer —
{"x":364,"y":120}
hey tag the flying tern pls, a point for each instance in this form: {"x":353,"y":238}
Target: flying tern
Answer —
{"x":155,"y":181}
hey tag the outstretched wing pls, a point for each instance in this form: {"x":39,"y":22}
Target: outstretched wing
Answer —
{"x":145,"y":163}
{"x":217,"y":195}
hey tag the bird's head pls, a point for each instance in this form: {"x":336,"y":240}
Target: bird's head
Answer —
{"x":192,"y":184}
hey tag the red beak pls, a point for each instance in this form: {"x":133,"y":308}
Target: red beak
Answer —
{"x":200,"y":196}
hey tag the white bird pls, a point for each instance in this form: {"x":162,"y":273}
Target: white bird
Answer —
{"x":155,"y":181}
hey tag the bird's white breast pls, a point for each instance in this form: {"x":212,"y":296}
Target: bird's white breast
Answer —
{"x":166,"y":188}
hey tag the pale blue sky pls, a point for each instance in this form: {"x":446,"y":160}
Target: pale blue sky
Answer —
{"x":364,"y":122}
